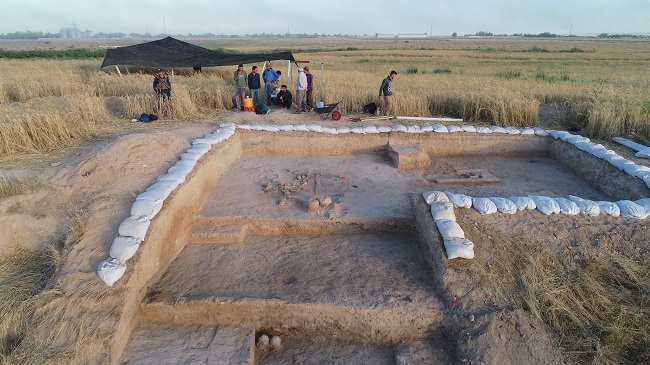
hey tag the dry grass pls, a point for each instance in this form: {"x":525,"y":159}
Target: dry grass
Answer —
{"x":601,"y":310}
{"x":11,"y":186}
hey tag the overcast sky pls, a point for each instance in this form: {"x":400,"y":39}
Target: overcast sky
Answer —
{"x":329,"y":16}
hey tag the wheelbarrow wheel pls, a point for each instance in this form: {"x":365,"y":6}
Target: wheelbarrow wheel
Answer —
{"x":336,"y":115}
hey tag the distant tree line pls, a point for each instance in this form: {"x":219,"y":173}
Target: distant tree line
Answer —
{"x":28,"y":35}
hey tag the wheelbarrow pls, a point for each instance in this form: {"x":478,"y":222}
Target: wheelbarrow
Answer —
{"x":326,"y":109}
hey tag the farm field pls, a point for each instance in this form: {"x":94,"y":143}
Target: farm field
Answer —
{"x":541,"y":289}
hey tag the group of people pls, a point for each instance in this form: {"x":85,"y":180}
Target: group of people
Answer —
{"x":251,"y":84}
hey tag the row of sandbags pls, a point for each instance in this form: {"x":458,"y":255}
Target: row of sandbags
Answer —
{"x":601,"y":152}
{"x":372,"y":129}
{"x":574,"y":205}
{"x":453,"y":236}
{"x":132,"y":231}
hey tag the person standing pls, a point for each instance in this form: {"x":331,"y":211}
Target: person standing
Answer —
{"x":301,"y":90}
{"x":270,"y":77}
{"x":161,"y":85}
{"x":241,"y":84}
{"x":254,"y":85}
{"x":310,"y":88}
{"x":386,"y":89}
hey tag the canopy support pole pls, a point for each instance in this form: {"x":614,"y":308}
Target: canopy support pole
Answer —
{"x":118,"y":70}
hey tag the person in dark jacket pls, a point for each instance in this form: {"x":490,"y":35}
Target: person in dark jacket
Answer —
{"x":386,"y":89}
{"x":254,"y":85}
{"x":310,"y":88}
{"x":285,"y":98}
{"x":161,"y":85}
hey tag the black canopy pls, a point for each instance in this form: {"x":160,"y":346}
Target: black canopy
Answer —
{"x":170,"y":52}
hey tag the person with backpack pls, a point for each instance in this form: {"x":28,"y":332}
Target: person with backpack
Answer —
{"x":161,"y":85}
{"x":386,"y":89}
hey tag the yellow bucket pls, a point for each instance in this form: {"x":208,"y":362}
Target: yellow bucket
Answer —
{"x":248,"y":103}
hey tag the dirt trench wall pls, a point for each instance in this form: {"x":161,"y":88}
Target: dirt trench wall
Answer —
{"x":436,"y":145}
{"x":600,"y":173}
{"x":167,"y":236}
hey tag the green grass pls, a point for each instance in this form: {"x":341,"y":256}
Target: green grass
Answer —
{"x":68,"y":54}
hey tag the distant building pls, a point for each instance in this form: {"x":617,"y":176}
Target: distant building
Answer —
{"x":74,"y":33}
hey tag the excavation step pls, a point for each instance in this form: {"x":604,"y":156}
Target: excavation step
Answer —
{"x":223,"y":234}
{"x":408,"y":156}
{"x":171,"y":344}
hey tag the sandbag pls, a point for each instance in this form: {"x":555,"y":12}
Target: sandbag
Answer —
{"x":468,"y":128}
{"x":413,"y":129}
{"x":512,"y":130}
{"x":285,"y":127}
{"x":370,"y":129}
{"x":110,"y":271}
{"x":644,"y":203}
{"x":546,"y":205}
{"x":443,"y":211}
{"x":454,"y":129}
{"x":459,"y":248}
{"x":398,"y":128}
{"x":314,"y":127}
{"x":527,"y":131}
{"x":435,"y":197}
{"x":449,"y":229}
{"x":270,"y":128}
{"x":504,"y":205}
{"x":644,"y":153}
{"x":459,"y":200}
{"x":357,"y":130}
{"x":384,"y":129}
{"x":329,"y":130}
{"x":144,"y":207}
{"x":192,"y":156}
{"x":609,"y":208}
{"x":123,"y":248}
{"x":484,"y":205}
{"x":425,"y":128}
{"x":497,"y":129}
{"x":134,"y":227}
{"x":587,"y":207}
{"x":631,"y":209}
{"x":300,"y":127}
{"x":439,"y":128}
{"x":483,"y":130}
{"x":567,"y":207}
{"x":342,"y":130}
{"x":523,"y":202}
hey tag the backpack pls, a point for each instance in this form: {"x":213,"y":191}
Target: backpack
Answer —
{"x":144,"y":117}
{"x":370,"y":108}
{"x":262,"y":109}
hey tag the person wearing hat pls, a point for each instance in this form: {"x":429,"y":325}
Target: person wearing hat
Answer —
{"x":161,"y":85}
{"x":241,"y":84}
{"x":301,"y":90}
{"x":270,"y":77}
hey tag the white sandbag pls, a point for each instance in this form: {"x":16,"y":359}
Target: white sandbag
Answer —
{"x":497,"y":129}
{"x":257,"y":127}
{"x":587,"y":207}
{"x":134,"y":227}
{"x":286,"y":127}
{"x":183,"y":169}
{"x":504,"y":205}
{"x":439,"y":128}
{"x":384,"y":129}
{"x":468,"y":128}
{"x":370,"y":129}
{"x":449,"y":229}
{"x":584,"y":146}
{"x":314,"y":127}
{"x":426,"y":128}
{"x":631,"y":209}
{"x":527,"y":131}
{"x":161,"y":189}
{"x":459,"y":200}
{"x":300,"y":127}
{"x":342,"y":130}
{"x":512,"y":130}
{"x":200,"y":148}
{"x":357,"y":130}
{"x":644,"y":203}
{"x":203,"y":140}
{"x":454,"y":129}
{"x":435,"y":197}
{"x":559,"y":134}
{"x":270,"y":128}
{"x":483,"y":130}
{"x":192,"y":156}
{"x":546,"y":205}
{"x":110,"y":271}
{"x":567,"y":207}
{"x":540,"y":132}
{"x":176,"y":176}
{"x":576,"y":139}
{"x":329,"y":130}
{"x":459,"y":248}
{"x":123,"y":248}
{"x":443,"y":211}
{"x":146,"y":207}
{"x":644,"y":153}
{"x":410,"y":129}
{"x":484,"y":205}
{"x":244,"y":126}
{"x":398,"y":128}
{"x":609,"y":208}
{"x":636,"y":170}
{"x":523,"y":202}
{"x":228,"y":124}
